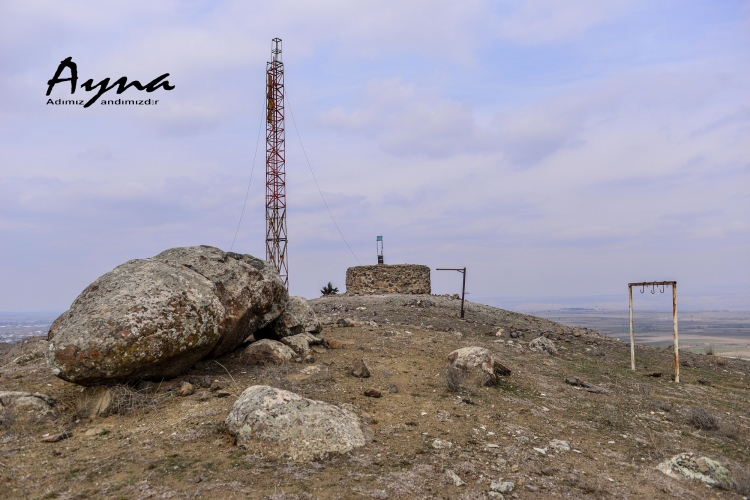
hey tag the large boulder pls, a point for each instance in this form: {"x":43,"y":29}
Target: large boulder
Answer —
{"x":479,"y":363}
{"x":24,"y":408}
{"x":691,"y":466}
{"x":298,"y":317}
{"x":154,"y":318}
{"x":304,"y":428}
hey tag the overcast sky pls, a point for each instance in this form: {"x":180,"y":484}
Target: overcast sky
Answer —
{"x":559,"y":150}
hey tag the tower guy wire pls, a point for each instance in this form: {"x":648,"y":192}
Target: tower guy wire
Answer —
{"x":316,"y":180}
{"x":255,"y":156}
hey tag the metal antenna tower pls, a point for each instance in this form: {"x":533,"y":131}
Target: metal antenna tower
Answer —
{"x":276,"y":237}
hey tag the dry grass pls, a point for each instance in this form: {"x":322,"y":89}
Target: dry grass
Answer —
{"x":702,"y":419}
{"x":709,"y":350}
{"x":721,"y":360}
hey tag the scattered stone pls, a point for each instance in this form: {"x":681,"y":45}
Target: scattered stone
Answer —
{"x":442,"y":445}
{"x":54,"y":438}
{"x":704,"y":381}
{"x":339,"y":344}
{"x":653,"y":374}
{"x":301,"y":342}
{"x":691,"y":466}
{"x":154,"y":318}
{"x":186,"y":389}
{"x":95,"y":402}
{"x":478,"y":361}
{"x":318,"y":349}
{"x":266,"y":352}
{"x":198,"y":381}
{"x":575,"y":381}
{"x":96,"y":431}
{"x":393,"y":388}
{"x":596,"y":390}
{"x":686,"y":362}
{"x":360,"y":369}
{"x":559,"y":445}
{"x":24,"y":408}
{"x":222,"y":394}
{"x":373,"y":392}
{"x":346,"y":322}
{"x":453,"y":478}
{"x":500,"y":333}
{"x":308,"y":428}
{"x":502,"y":486}
{"x":543,"y":344}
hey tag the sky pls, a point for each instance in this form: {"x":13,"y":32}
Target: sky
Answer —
{"x":558,"y":150}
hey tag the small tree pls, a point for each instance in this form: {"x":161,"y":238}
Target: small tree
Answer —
{"x":329,"y":290}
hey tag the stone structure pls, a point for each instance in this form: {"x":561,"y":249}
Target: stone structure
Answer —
{"x":380,"y":279}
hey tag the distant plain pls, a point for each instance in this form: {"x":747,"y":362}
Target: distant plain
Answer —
{"x":727,"y":331}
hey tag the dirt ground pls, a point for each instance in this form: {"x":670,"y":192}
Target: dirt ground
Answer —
{"x":162,"y":445}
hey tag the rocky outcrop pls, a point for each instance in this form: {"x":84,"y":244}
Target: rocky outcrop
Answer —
{"x":402,"y":278}
{"x":24,"y":408}
{"x":479,"y":363}
{"x":297,"y":317}
{"x":154,"y":318}
{"x":266,"y":352}
{"x":304,"y":427}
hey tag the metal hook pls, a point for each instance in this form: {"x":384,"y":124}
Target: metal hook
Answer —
{"x":653,"y":289}
{"x":643,"y":288}
{"x":662,"y":289}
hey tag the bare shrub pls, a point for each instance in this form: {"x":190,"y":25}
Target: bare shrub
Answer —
{"x":454,"y":378}
{"x":708,"y":350}
{"x":729,"y":430}
{"x":721,"y":360}
{"x":702,"y":419}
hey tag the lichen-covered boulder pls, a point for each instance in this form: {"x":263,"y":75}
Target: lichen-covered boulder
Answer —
{"x":154,"y":318}
{"x":691,"y":466}
{"x":298,"y":317}
{"x":250,"y":289}
{"x":266,"y":352}
{"x":24,"y":408}
{"x":301,"y":342}
{"x":304,"y":428}
{"x":478,"y":362}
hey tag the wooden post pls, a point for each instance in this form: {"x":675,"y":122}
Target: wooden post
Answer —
{"x":632,"y":336}
{"x":676,"y":346}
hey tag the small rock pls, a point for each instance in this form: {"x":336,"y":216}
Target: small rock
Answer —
{"x":96,"y":431}
{"x":502,"y":486}
{"x":222,"y":394}
{"x":495,"y":494}
{"x":339,"y":344}
{"x":346,"y":322}
{"x":543,"y":344}
{"x":54,"y":438}
{"x":360,"y":369}
{"x":95,"y":402}
{"x":186,"y":389}
{"x":266,"y":352}
{"x":559,"y":445}
{"x":479,"y":362}
{"x":500,"y":332}
{"x":596,"y":390}
{"x":373,"y":392}
{"x":653,"y":374}
{"x":393,"y":388}
{"x":442,"y":445}
{"x":453,"y":478}
{"x":24,"y":408}
{"x":573,"y":381}
{"x":704,"y":381}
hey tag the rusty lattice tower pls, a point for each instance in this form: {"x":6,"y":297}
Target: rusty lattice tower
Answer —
{"x":276,"y":237}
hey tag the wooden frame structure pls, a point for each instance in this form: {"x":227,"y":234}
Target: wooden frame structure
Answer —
{"x":653,"y":285}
